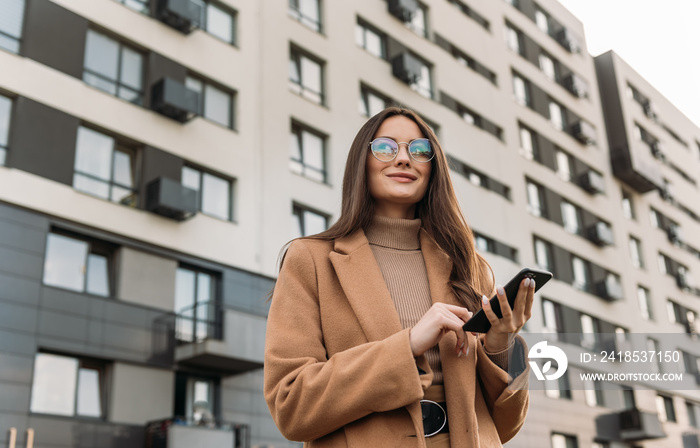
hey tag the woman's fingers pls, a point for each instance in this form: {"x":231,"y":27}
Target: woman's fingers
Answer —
{"x":440,"y":319}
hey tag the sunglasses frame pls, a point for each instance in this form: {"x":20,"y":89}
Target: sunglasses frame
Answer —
{"x":408,"y":148}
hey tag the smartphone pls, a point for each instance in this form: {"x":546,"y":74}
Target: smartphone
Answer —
{"x":479,"y":323}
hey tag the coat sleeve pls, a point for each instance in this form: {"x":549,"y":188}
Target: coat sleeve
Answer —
{"x":507,"y":398}
{"x":310,"y":394}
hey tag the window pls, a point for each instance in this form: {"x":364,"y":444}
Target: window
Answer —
{"x":589,"y":331}
{"x":653,"y":346}
{"x":104,"y":168}
{"x":514,"y":39}
{"x":521,"y":90}
{"x":137,"y":5}
{"x":693,"y":411}
{"x":627,"y":206}
{"x":654,"y":218}
{"x":535,"y":199}
{"x":306,"y":76}
{"x":543,"y":254}
{"x":423,"y":85}
{"x":373,"y":41}
{"x":644,"y":301}
{"x":527,"y":143}
{"x":5,"y":112}
{"x":217,"y":21}
{"x":542,"y":21}
{"x":196,"y":398}
{"x":213,"y":192}
{"x":11,"y":20}
{"x":663,"y":264}
{"x":67,"y":386}
{"x":308,"y":12}
{"x":664,"y":405}
{"x":559,"y":388}
{"x":550,"y":311}
{"x":113,"y":67}
{"x":570,"y":216}
{"x":307,"y":222}
{"x":556,"y":116}
{"x":11,"y":25}
{"x":419,"y":22}
{"x":547,"y":66}
{"x":195,"y":305}
{"x":307,"y":153}
{"x":77,"y":265}
{"x":592,"y":393}
{"x":564,"y":162}
{"x":636,"y":252}
{"x":215,"y":103}
{"x":482,"y":243}
{"x":580,"y":268}
{"x":691,"y":363}
{"x":564,"y":441}
{"x":371,"y":102}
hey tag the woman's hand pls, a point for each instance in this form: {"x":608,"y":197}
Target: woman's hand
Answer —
{"x":496,"y":339}
{"x":440,"y":319}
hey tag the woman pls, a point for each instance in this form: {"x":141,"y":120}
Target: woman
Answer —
{"x":364,"y":344}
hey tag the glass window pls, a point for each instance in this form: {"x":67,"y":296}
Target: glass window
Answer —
{"x":654,"y":218}
{"x":220,"y":23}
{"x":527,"y":143}
{"x":556,"y":116}
{"x":214,"y":192}
{"x":195,"y":298}
{"x":570,"y":216}
{"x":424,"y":84}
{"x":74,"y":264}
{"x":113,"y":67}
{"x":521,"y":90}
{"x":549,"y":311}
{"x":419,"y":23}
{"x":636,"y":252}
{"x":564,"y":441}
{"x":627,"y":205}
{"x":543,"y":255}
{"x":307,"y":12}
{"x":66,"y":386}
{"x":371,"y":103}
{"x":534,"y":199}
{"x":307,"y":153}
{"x":5,"y":111}
{"x":693,"y":415}
{"x":306,"y":76}
{"x":103,"y":168}
{"x":663,"y":267}
{"x":644,"y":302}
{"x":664,"y":405}
{"x":371,"y":40}
{"x":11,"y":18}
{"x":216,"y":104}
{"x":547,"y":66}
{"x":564,"y":163}
{"x":588,"y":330}
{"x":559,"y":388}
{"x":307,"y":222}
{"x":590,"y":392}
{"x":137,"y":5}
{"x":580,"y":268}
{"x":514,"y":40}
{"x":542,"y":21}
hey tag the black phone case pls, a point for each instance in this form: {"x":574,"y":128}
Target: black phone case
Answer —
{"x":479,"y":323}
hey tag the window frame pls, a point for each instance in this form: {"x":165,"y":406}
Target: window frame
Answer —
{"x":635,"y":247}
{"x":294,"y":11}
{"x":4,"y":148}
{"x":17,"y":39}
{"x":365,"y":27}
{"x":140,"y":101}
{"x":145,"y":4}
{"x":203,"y":21}
{"x":644,"y":302}
{"x":200,"y":192}
{"x":215,"y":300}
{"x":365,"y":92}
{"x":298,"y":211}
{"x":297,"y":131}
{"x":230,"y":93}
{"x":296,"y":54}
{"x":82,"y":363}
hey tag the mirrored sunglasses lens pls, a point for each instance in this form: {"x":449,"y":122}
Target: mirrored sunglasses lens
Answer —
{"x":384,"y":149}
{"x":421,"y":150}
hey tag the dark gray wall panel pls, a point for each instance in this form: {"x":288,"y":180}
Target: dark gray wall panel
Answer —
{"x":159,"y":67}
{"x":14,"y":398}
{"x":19,"y":289}
{"x":62,"y":326}
{"x":23,"y":217}
{"x":17,"y":343}
{"x":64,"y":301}
{"x":17,"y":317}
{"x":17,"y":236}
{"x":157,"y":163}
{"x":55,"y":37}
{"x":16,"y":368}
{"x":44,"y":141}
{"x":540,"y":100}
{"x":18,"y":262}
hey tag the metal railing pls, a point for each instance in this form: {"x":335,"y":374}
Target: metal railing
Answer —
{"x":199,"y":322}
{"x":157,"y":431}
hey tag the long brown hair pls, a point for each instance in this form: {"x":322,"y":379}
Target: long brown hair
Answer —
{"x":439,"y":211}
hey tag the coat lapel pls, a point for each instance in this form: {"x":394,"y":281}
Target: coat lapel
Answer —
{"x":365,"y":288}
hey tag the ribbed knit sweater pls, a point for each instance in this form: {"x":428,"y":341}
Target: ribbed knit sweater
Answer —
{"x":396,"y":246}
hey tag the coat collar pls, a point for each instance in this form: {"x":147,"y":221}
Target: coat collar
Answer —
{"x":365,"y":288}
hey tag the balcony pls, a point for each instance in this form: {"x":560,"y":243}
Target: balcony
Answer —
{"x":600,"y":234}
{"x":226,"y":341}
{"x":568,"y":40}
{"x":174,"y":100}
{"x":171,"y":199}
{"x":609,"y":288}
{"x":576,"y":85}
{"x":183,"y":15}
{"x":583,"y":132}
{"x":691,"y":439}
{"x":403,"y":10}
{"x":592,"y":182}
{"x":183,"y":433}
{"x":631,"y":425}
{"x":406,"y":67}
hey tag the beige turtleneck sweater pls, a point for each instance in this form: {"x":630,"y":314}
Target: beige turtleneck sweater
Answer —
{"x":396,"y":246}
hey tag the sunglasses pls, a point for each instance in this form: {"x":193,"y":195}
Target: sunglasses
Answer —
{"x":386,"y":149}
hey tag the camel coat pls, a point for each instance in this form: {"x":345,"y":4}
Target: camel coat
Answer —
{"x":339,"y":371}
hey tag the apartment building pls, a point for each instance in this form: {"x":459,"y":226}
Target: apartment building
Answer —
{"x":156,"y":155}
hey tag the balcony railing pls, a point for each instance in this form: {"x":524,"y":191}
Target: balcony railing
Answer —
{"x":198,"y":322}
{"x":180,"y":432}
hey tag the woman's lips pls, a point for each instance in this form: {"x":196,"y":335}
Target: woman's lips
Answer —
{"x":402,"y":177}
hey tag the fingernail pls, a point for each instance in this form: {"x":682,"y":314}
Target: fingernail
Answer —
{"x":500,"y":290}
{"x":459,"y":355}
{"x":484,"y":300}
{"x":532,"y":283}
{"x":527,"y":283}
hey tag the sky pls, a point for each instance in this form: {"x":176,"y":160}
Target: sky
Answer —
{"x":659,"y":39}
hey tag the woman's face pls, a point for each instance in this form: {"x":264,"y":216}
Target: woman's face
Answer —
{"x":397,"y":186}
